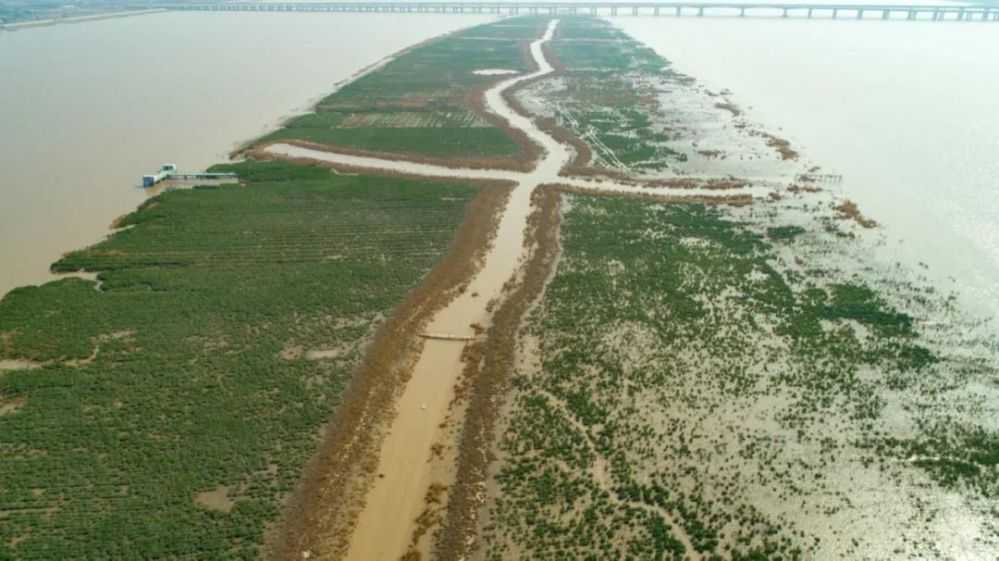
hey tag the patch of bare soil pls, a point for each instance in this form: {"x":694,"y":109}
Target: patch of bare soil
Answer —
{"x":848,"y":210}
{"x":727,"y":200}
{"x":328,"y":354}
{"x":15,"y":364}
{"x":782,"y":146}
{"x":292,"y":352}
{"x":323,"y":509}
{"x":346,"y":169}
{"x":529,"y":154}
{"x":217,"y":499}
{"x":717,"y":184}
{"x":803,"y":188}
{"x":10,"y":406}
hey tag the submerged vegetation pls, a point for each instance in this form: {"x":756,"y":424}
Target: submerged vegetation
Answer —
{"x":628,"y":111}
{"x":176,"y":401}
{"x":723,"y":383}
{"x":601,"y":101}
{"x":697,"y":394}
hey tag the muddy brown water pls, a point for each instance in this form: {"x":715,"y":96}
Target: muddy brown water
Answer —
{"x":87,"y":109}
{"x":905,"y":112}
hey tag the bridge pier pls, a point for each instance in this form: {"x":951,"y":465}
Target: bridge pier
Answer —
{"x":810,"y":13}
{"x":742,"y":12}
{"x":784,"y":14}
{"x":700,"y":12}
{"x":634,"y":10}
{"x":679,"y":11}
{"x":593,"y":10}
{"x":655,"y":11}
{"x":860,"y":13}
{"x":835,"y":12}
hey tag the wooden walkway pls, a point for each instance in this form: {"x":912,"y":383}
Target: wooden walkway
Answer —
{"x":446,"y":337}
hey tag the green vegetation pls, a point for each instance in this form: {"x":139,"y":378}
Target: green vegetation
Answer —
{"x":954,"y":455}
{"x":785,"y":232}
{"x":586,"y":44}
{"x":694,"y":393}
{"x":176,"y":405}
{"x":602,"y":102}
{"x":419,"y":103}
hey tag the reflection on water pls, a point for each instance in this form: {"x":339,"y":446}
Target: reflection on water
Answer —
{"x":907,"y":112}
{"x":87,"y":109}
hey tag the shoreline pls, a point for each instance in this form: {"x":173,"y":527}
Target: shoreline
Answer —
{"x":254,"y":142}
{"x":19,"y":25}
{"x":37,"y":272}
{"x":403,"y":462}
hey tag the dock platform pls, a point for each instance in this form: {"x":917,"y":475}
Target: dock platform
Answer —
{"x":169,"y":171}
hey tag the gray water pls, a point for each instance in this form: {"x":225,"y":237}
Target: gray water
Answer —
{"x":907,"y":112}
{"x":86,"y":109}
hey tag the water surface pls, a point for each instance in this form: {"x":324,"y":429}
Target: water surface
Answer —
{"x":86,"y":109}
{"x":907,"y":112}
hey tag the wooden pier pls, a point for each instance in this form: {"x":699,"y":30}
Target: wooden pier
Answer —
{"x":169,"y":172}
{"x":904,"y":12}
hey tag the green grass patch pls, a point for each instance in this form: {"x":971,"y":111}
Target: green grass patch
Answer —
{"x":192,"y":376}
{"x":437,"y":79}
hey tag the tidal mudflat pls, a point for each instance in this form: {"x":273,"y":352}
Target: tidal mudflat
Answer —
{"x":737,"y":382}
{"x":618,"y":320}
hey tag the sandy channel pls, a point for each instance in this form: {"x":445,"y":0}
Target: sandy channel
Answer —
{"x":388,"y":520}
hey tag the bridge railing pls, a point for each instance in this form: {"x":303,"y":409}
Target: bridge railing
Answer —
{"x":833,"y":11}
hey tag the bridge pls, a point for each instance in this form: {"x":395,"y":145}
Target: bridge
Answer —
{"x":910,"y":12}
